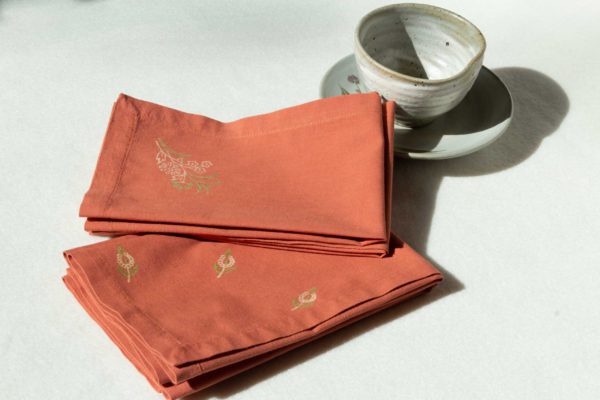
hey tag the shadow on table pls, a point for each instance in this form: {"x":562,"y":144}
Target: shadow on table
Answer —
{"x":540,"y":105}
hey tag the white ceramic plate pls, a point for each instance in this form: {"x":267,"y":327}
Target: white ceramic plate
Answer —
{"x":482,"y":117}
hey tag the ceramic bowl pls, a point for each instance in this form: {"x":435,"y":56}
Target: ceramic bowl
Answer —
{"x":422,"y":57}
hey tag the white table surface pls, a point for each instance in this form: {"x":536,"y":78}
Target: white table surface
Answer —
{"x":515,"y":227}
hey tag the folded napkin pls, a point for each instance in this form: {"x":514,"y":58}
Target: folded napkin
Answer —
{"x":314,"y":178}
{"x":189,"y":313}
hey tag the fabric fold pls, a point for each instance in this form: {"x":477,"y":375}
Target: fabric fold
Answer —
{"x":189,"y":313}
{"x":313,"y":178}
{"x":237,"y":242}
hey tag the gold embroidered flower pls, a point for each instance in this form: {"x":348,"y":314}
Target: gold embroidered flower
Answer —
{"x":126,"y":265}
{"x":184,"y":173}
{"x":225,"y":263}
{"x":198,"y":167}
{"x":305,"y":299}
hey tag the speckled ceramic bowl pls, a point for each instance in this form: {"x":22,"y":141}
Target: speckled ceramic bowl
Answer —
{"x":422,"y":57}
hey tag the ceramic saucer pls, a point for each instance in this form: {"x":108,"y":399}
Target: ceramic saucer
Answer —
{"x":482,"y":117}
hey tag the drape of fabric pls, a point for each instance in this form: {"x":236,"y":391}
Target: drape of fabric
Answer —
{"x":237,"y":242}
{"x":314,"y":177}
{"x":189,"y":313}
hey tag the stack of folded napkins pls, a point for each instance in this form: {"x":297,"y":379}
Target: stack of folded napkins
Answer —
{"x":237,"y":242}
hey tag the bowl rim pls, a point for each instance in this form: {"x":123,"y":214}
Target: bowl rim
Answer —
{"x":359,"y":47}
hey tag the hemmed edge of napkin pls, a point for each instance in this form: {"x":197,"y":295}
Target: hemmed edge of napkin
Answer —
{"x":121,"y":135}
{"x":214,"y":377}
{"x":118,"y":139}
{"x":214,"y":371}
{"x":172,"y":352}
{"x":388,"y":121}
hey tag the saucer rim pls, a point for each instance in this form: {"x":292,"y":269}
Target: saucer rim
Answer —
{"x":432,"y":154}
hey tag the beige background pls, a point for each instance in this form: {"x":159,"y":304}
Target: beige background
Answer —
{"x":516,"y":226}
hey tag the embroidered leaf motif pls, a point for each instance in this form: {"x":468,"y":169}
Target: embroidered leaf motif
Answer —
{"x":126,"y":264}
{"x":185,"y":174}
{"x":305,"y":299}
{"x":225,"y":264}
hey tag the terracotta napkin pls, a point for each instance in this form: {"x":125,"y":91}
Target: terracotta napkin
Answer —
{"x":314,"y":177}
{"x":190,"y":313}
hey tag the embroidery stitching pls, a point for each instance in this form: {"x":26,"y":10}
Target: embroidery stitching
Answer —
{"x":184,"y":173}
{"x":225,"y":264}
{"x":305,"y":299}
{"x":126,"y":265}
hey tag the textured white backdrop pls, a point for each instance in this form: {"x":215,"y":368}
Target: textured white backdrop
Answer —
{"x":516,"y":227}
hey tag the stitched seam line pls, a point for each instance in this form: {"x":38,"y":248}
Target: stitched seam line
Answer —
{"x":132,"y":133}
{"x":130,"y":303}
{"x":197,"y":346}
{"x":291,"y":128}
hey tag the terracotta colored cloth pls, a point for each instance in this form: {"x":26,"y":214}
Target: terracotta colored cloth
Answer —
{"x":202,"y":284}
{"x":315,"y":177}
{"x":190,"y":313}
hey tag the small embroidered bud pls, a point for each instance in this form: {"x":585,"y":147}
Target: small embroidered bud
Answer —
{"x":225,"y":264}
{"x":305,"y":299}
{"x":126,"y":265}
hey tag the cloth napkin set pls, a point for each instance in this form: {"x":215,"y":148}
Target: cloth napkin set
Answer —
{"x":236,"y":242}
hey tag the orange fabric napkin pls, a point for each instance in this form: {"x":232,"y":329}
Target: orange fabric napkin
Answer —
{"x":314,"y":178}
{"x":190,"y":313}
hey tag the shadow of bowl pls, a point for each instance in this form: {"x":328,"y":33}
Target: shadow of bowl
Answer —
{"x":539,"y":107}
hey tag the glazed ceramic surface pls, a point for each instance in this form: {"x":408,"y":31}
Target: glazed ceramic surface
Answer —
{"x":481,"y":117}
{"x":422,"y":57}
